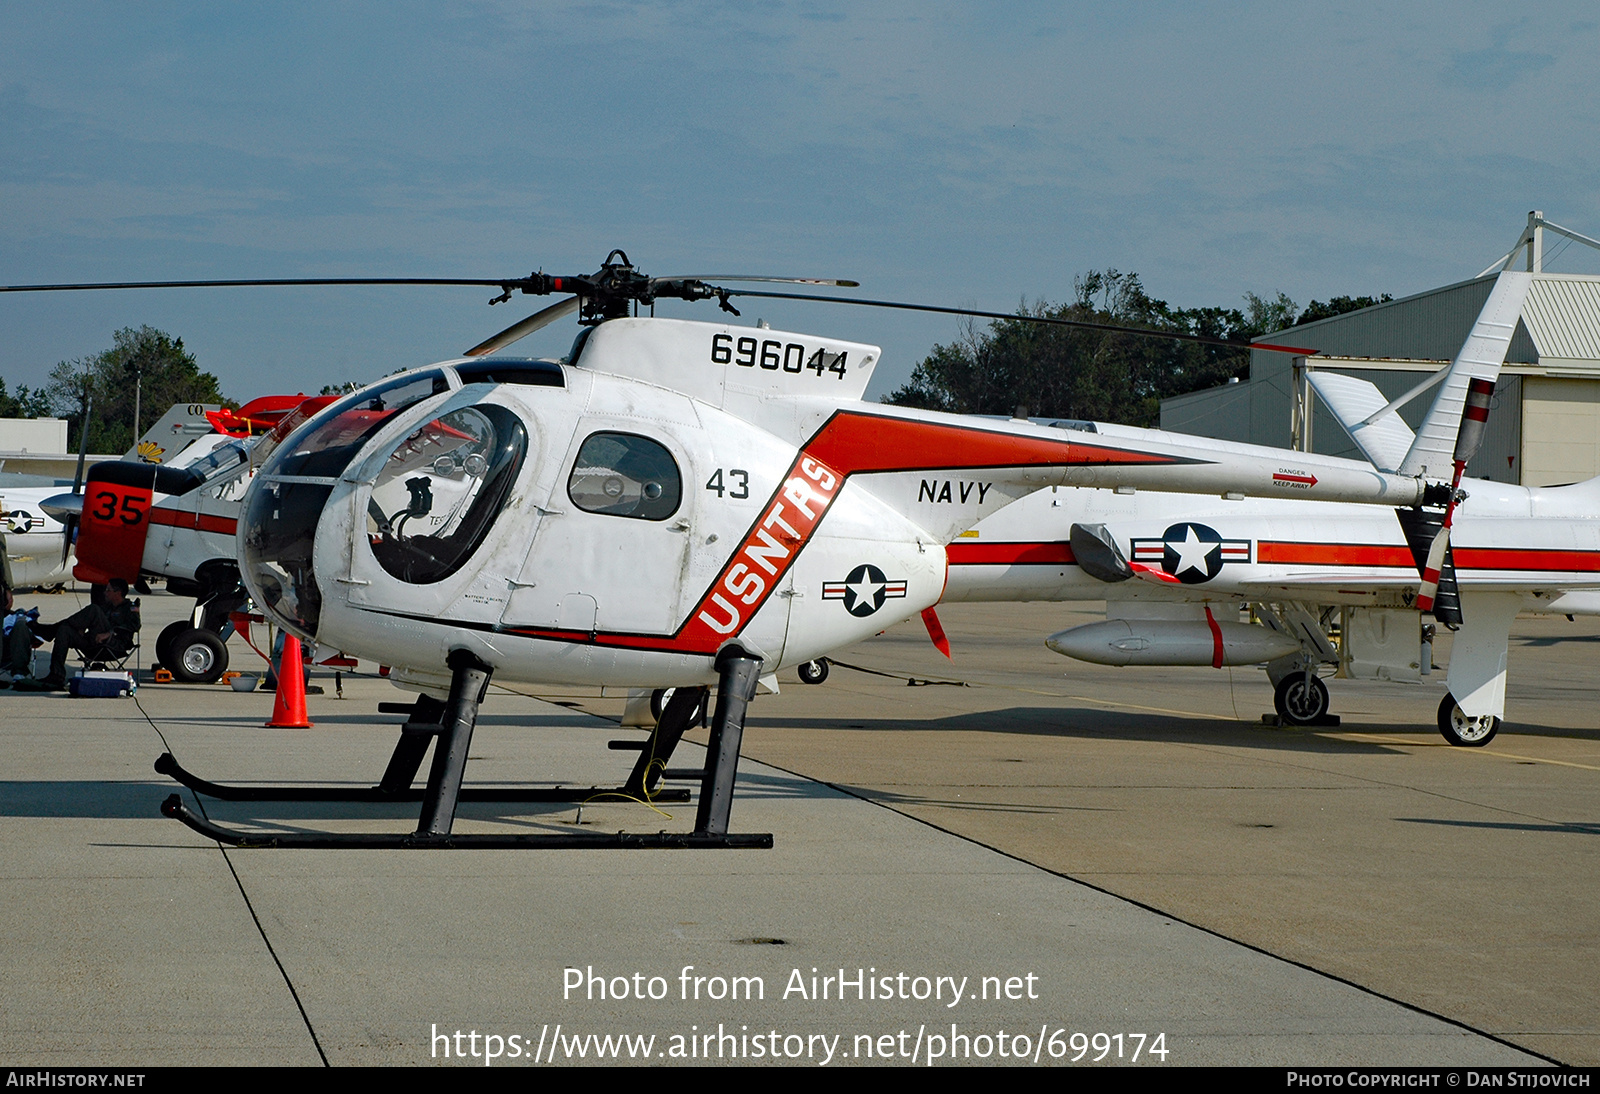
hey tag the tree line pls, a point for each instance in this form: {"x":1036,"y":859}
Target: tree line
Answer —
{"x":143,"y":364}
{"x":1065,"y":372}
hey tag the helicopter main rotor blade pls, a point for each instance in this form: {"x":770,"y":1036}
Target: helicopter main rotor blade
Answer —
{"x":1144,"y":332}
{"x":542,"y":318}
{"x":290,"y":281}
{"x":828,"y":282}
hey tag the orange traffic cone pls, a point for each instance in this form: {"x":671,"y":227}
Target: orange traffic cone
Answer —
{"x":289,"y":708}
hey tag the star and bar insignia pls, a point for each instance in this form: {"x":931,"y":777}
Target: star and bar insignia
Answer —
{"x":864,"y":590}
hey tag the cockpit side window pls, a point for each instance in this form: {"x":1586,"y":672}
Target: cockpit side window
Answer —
{"x":441,"y":489}
{"x":625,"y":475}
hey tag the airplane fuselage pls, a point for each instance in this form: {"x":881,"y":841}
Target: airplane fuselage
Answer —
{"x":1545,"y":540}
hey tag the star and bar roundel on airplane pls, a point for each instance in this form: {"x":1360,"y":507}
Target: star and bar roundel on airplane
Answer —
{"x":864,"y":590}
{"x":1192,"y":553}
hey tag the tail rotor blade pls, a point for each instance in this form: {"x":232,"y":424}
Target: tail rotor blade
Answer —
{"x":538,"y":319}
{"x":1431,"y":570}
{"x":1474,"y":417}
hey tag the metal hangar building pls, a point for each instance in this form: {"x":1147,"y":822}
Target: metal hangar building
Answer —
{"x":1544,"y":428}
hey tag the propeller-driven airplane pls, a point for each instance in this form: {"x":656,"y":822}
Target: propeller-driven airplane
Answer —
{"x":674,"y":504}
{"x":32,"y":538}
{"x":1310,"y":572}
{"x":197,"y":457}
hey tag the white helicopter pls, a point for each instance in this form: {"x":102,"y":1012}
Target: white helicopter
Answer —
{"x":673,"y":504}
{"x":1308,"y":571}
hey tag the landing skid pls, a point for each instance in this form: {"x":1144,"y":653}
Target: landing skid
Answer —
{"x":167,"y":765}
{"x":173,"y":807}
{"x":452,"y":723}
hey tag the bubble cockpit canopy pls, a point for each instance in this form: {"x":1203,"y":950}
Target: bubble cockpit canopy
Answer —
{"x":432,"y":503}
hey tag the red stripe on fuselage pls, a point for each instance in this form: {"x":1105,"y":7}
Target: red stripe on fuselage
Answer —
{"x":1466,"y":558}
{"x":201,"y":522}
{"x":768,"y":550}
{"x":1009,"y":554}
{"x":1516,"y":558}
{"x":1269,"y":552}
{"x":1332,"y":554}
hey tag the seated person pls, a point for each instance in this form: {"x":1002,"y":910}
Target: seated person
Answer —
{"x":109,"y":625}
{"x":16,"y":647}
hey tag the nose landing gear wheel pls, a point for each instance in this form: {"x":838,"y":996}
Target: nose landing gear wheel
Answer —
{"x":1460,"y":728}
{"x":1299,"y":704}
{"x":813,"y":672}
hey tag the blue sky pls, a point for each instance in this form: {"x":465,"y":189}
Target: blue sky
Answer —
{"x":951,"y":154}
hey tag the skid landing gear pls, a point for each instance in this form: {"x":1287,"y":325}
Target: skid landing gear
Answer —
{"x":452,"y":722}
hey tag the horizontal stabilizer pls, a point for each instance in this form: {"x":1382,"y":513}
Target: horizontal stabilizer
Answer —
{"x":1385,"y":441}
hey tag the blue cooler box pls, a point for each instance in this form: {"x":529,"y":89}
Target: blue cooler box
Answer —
{"x":102,"y":685}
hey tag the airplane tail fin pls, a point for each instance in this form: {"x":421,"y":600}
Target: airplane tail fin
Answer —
{"x":1449,"y":436}
{"x":1431,"y":454}
{"x":174,"y":431}
{"x":1377,"y":429}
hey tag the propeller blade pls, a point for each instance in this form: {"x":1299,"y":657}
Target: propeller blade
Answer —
{"x":1431,"y":570}
{"x":69,"y":523}
{"x":542,"y":318}
{"x":69,"y":526}
{"x":83,"y":440}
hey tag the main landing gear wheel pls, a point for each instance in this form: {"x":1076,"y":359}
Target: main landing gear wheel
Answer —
{"x":164,"y":640}
{"x":198,"y":656}
{"x":1460,"y":728}
{"x":658,"y":703}
{"x":1301,"y":702}
{"x":813,"y":672}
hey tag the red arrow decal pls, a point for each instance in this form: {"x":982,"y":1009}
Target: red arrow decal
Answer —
{"x":1284,"y":476}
